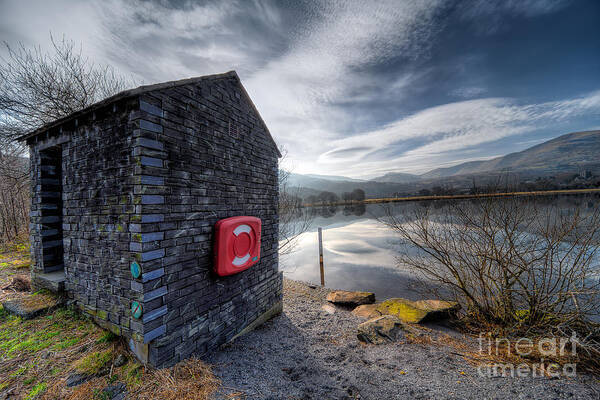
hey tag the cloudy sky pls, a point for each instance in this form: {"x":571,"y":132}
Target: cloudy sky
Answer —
{"x":358,"y":88}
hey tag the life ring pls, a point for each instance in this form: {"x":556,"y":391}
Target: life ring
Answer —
{"x":237,"y":244}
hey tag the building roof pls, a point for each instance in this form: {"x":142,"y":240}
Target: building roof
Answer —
{"x":145,"y":89}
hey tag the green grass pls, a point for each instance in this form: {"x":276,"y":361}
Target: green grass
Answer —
{"x":107,"y":337}
{"x":63,"y":329}
{"x":94,"y":362}
{"x":23,"y":341}
{"x":18,"y":372}
{"x":133,"y":373}
{"x":37,"y":390}
{"x":66,"y":343}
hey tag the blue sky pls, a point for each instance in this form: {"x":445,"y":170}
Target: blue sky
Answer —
{"x":359,"y":88}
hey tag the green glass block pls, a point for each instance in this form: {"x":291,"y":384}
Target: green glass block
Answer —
{"x":136,"y":270}
{"x":136,"y":309}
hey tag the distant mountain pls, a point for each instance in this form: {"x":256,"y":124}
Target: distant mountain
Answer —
{"x":568,"y":152}
{"x":334,"y":178}
{"x":397,"y":177}
{"x":372,"y":188}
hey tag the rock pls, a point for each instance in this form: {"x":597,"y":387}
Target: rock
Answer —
{"x":415,"y":312}
{"x":120,"y":361}
{"x":328,"y":308}
{"x":32,"y":305}
{"x":77,"y":379}
{"x":347,"y":298}
{"x":438,"y":309}
{"x":367,"y":311}
{"x":381,"y":330}
{"x":115,"y":392}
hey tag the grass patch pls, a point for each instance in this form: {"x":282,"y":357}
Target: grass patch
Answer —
{"x":42,"y":350}
{"x":36,"y":391}
{"x":37,"y":355}
{"x":107,"y":337}
{"x":94,"y":362}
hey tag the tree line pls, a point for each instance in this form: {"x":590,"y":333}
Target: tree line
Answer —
{"x":327,"y":197}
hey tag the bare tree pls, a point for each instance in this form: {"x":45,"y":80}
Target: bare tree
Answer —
{"x":14,"y":195}
{"x":293,"y":219}
{"x":36,"y":88}
{"x":513,"y":264}
{"x":39,"y":87}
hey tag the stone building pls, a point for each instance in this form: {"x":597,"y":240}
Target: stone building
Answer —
{"x":125,"y":196}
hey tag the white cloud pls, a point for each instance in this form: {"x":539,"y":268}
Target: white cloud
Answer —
{"x":295,"y":92}
{"x":469,"y":92}
{"x":300,"y":70}
{"x":451,"y":128}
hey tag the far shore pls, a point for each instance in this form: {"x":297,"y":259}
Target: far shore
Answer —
{"x":456,"y":197}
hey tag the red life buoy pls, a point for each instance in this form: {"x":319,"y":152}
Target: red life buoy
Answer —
{"x":237,"y":244}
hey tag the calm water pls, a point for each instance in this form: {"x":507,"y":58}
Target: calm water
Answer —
{"x":359,"y":252}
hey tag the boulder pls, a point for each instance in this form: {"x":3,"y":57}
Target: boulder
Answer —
{"x":120,"y":360}
{"x":367,"y":311}
{"x":381,"y":330}
{"x":438,"y":309}
{"x":115,"y":392}
{"x":32,"y":305}
{"x":415,"y":312}
{"x":328,"y":308}
{"x":347,"y":298}
{"x":77,"y":379}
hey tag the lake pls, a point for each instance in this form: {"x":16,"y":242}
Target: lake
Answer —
{"x":359,"y":252}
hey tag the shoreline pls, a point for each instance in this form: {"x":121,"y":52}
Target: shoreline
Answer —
{"x":457,"y":197}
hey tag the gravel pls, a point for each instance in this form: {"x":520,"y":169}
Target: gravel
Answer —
{"x":308,"y":353}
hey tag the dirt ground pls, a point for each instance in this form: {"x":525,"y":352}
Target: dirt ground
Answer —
{"x":307,"y":353}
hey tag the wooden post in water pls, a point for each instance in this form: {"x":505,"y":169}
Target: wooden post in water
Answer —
{"x":321,"y":257}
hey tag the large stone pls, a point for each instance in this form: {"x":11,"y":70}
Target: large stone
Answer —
{"x":32,"y":305}
{"x":415,"y":312}
{"x":347,"y":298}
{"x":438,"y":309}
{"x":117,"y":391}
{"x":328,"y":308}
{"x":77,"y":379}
{"x":381,"y":330}
{"x":367,"y":311}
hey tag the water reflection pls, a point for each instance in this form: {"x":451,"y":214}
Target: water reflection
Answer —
{"x":359,"y":251}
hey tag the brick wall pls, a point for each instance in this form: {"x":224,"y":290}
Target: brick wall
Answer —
{"x":145,"y":179}
{"x":97,"y":207}
{"x":203,"y":155}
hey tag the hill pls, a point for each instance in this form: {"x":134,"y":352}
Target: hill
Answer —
{"x":565,"y":153}
{"x":562,"y":158}
{"x":397,"y":177}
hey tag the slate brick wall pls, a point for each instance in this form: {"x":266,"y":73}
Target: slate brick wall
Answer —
{"x":202,"y":155}
{"x":145,"y":179}
{"x":97,"y":208}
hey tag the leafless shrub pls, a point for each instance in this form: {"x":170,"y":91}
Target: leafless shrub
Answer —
{"x":517,"y":267}
{"x":293,"y":220}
